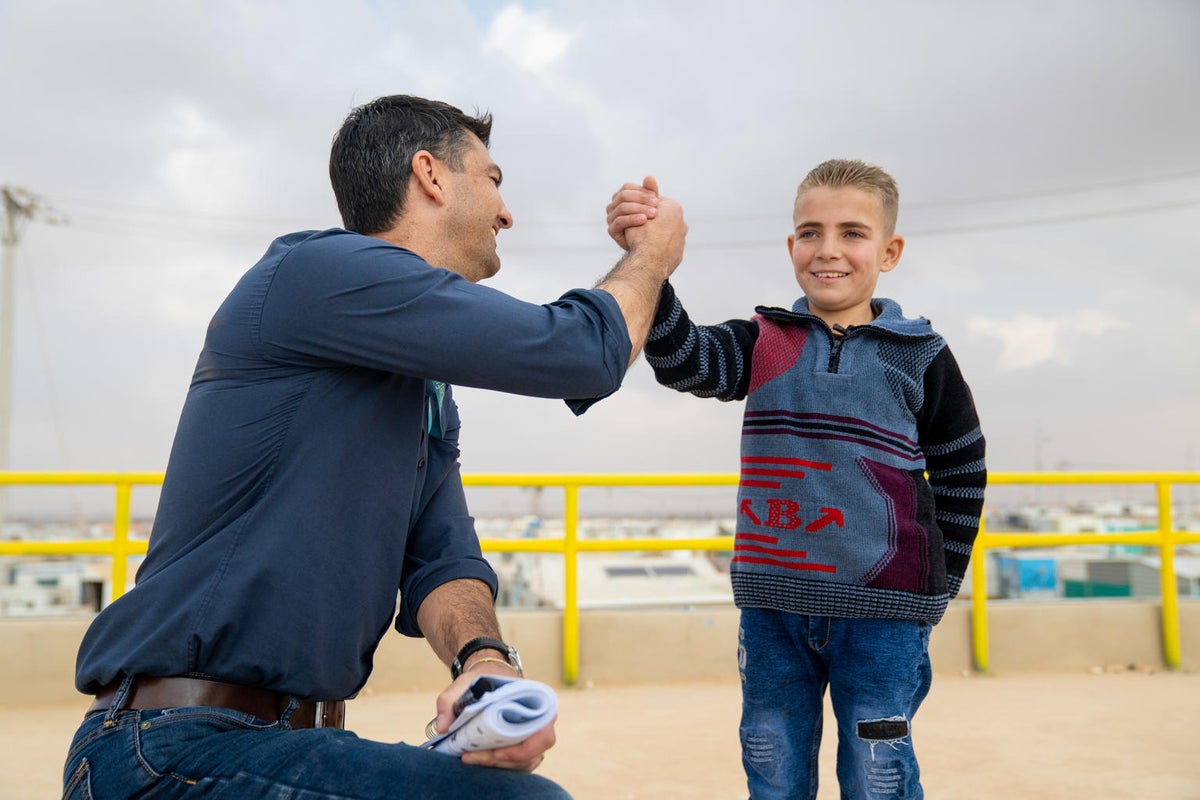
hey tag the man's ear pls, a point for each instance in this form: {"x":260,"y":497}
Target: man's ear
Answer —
{"x":427,"y":174}
{"x":891,"y":254}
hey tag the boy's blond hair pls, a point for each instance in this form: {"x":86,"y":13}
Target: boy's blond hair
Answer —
{"x":839,"y":172}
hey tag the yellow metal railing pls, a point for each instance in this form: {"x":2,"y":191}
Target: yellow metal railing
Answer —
{"x":120,"y":546}
{"x":1166,"y":538}
{"x":571,"y":545}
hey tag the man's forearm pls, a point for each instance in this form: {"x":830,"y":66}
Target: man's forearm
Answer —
{"x":635,"y":283}
{"x":455,"y":613}
{"x":655,"y":250}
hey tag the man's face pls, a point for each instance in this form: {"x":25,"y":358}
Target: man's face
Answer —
{"x":838,"y":249}
{"x":476,"y":213}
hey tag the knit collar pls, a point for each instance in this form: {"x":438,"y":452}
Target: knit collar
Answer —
{"x":889,"y":318}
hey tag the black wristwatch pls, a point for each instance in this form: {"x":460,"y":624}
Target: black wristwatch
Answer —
{"x":511,"y":656}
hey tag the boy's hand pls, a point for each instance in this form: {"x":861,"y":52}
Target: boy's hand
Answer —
{"x":631,"y":206}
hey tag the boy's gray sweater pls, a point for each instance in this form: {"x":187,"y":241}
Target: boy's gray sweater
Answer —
{"x":835,"y":514}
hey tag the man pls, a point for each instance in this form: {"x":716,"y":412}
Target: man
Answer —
{"x":315,"y":470}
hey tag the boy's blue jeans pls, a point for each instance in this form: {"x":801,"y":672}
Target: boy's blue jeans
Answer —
{"x":218,"y":753}
{"x":877,"y":671}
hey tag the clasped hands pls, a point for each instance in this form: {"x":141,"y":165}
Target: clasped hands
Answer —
{"x":639,"y":216}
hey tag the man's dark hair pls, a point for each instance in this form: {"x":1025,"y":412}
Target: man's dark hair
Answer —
{"x":372,"y":154}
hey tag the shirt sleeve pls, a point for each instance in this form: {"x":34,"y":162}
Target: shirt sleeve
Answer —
{"x":951,"y":437}
{"x":704,"y":360}
{"x":442,"y":543}
{"x":349,"y":300}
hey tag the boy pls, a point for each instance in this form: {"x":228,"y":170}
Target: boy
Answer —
{"x":845,"y":555}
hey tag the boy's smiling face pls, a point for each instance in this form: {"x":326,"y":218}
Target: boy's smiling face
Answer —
{"x":839,"y":247}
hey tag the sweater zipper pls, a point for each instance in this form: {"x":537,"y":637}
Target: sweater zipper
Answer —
{"x":837,"y":342}
{"x":835,"y":346}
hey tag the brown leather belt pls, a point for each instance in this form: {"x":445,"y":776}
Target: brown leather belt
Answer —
{"x":150,"y":693}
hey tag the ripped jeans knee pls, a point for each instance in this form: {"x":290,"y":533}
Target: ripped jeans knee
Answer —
{"x":890,"y":744}
{"x":762,"y":750}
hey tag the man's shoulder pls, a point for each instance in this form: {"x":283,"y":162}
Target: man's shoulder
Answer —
{"x":318,"y":250}
{"x":335,"y":239}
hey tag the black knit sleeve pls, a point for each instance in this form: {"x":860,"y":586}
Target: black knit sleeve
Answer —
{"x":953,"y":442}
{"x":704,"y":360}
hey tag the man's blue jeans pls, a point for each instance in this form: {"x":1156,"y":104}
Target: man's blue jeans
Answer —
{"x":877,"y":672}
{"x":218,"y":753}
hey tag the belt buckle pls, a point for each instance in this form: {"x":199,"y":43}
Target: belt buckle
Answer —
{"x":329,"y":714}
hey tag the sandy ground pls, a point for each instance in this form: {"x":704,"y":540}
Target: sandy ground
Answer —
{"x":1114,"y":735}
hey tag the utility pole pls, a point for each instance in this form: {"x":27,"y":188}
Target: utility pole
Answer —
{"x":19,"y":205}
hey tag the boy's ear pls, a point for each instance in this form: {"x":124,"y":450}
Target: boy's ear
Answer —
{"x":426,"y":175}
{"x":891,"y":253}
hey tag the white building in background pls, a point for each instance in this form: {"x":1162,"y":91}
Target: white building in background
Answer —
{"x":53,"y":587}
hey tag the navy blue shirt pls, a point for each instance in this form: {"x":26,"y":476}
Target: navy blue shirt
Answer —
{"x":315,"y":468}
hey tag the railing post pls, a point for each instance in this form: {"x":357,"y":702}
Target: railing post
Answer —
{"x":120,"y":556}
{"x":1170,"y":586}
{"x":979,"y":620}
{"x":571,"y":586}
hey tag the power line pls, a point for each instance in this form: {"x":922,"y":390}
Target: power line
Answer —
{"x":1059,"y":219}
{"x":947,"y":230}
{"x":142,"y":213}
{"x":201,"y":219}
{"x":1030,"y":194}
{"x":1054,"y":192}
{"x":201,"y":227}
{"x":202,"y":236}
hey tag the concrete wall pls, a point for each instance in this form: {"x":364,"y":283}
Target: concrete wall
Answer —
{"x":37,"y":656}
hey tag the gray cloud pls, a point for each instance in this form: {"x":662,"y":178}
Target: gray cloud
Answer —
{"x":1045,"y":152}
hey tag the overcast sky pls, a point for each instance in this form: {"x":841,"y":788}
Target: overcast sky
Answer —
{"x":1048,"y":157}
